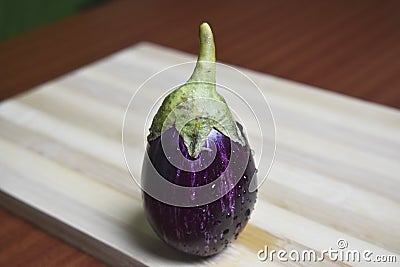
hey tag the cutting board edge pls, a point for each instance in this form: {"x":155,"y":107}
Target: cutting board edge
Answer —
{"x":65,"y":232}
{"x":312,"y":89}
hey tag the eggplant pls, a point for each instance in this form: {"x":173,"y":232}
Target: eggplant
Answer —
{"x":195,"y":121}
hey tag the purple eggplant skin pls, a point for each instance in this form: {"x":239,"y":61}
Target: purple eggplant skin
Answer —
{"x":208,"y":229}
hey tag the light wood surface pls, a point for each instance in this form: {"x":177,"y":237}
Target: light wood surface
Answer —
{"x":335,"y":174}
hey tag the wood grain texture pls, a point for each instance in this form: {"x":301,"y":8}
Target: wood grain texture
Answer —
{"x":63,"y":168}
{"x":345,"y":46}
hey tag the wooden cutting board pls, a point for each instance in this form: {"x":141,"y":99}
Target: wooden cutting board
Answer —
{"x":335,"y":175}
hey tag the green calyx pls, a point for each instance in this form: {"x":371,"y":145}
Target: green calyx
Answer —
{"x":195,"y":107}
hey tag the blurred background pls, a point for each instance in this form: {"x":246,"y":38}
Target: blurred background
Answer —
{"x":17,"y":17}
{"x":350,"y":47}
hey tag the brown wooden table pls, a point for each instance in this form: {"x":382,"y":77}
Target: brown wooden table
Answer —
{"x":350,"y":47}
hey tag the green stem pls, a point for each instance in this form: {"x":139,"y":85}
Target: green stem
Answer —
{"x":205,"y":66}
{"x":195,"y":108}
